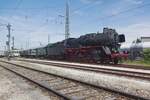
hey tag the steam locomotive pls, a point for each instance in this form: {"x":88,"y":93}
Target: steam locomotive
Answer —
{"x":94,"y":48}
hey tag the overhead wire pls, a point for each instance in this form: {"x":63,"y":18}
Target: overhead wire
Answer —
{"x":15,"y":8}
{"x":40,"y":8}
{"x":121,"y":12}
{"x":18,"y":4}
{"x":87,"y":6}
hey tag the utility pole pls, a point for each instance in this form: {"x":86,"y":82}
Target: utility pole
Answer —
{"x":67,"y":21}
{"x":8,"y":42}
{"x":13,"y":43}
{"x":48,"y":38}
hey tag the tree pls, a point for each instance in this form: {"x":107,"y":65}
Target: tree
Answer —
{"x":147,"y":55}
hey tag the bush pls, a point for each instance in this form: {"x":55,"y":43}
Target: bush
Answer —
{"x":147,"y":55}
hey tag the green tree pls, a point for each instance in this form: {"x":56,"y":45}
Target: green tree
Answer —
{"x":147,"y":55}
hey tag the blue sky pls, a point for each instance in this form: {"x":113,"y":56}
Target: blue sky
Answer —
{"x":33,"y":20}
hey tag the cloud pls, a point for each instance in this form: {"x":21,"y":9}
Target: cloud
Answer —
{"x":141,"y":29}
{"x":134,"y":31}
{"x":134,"y":1}
{"x":91,"y":1}
{"x":80,"y":13}
{"x":34,"y":30}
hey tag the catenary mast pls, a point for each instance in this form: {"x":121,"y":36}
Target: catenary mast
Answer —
{"x":67,"y":21}
{"x":8,"y":42}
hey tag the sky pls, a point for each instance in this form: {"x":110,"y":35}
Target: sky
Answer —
{"x":32,"y":21}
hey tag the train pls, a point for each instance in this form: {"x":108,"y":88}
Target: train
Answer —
{"x":92,"y":48}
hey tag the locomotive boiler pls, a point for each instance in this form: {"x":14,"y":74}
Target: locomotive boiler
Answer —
{"x":108,"y":37}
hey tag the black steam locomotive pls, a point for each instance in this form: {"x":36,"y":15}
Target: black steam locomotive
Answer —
{"x":93,"y":48}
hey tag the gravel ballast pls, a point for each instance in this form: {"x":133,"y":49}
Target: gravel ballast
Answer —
{"x":119,"y":83}
{"x":67,"y":87}
{"x":13,"y":87}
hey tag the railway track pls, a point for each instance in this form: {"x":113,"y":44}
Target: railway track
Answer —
{"x":142,"y":67}
{"x":133,"y":66}
{"x":127,"y":73}
{"x":66,"y":88}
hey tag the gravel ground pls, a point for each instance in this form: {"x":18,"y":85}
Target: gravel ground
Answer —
{"x":70,"y":88}
{"x":128,"y":85}
{"x":13,"y":87}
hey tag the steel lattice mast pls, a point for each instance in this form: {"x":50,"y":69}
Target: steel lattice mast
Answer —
{"x":67,"y":21}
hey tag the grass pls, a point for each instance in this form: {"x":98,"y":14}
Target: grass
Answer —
{"x":145,"y":62}
{"x":139,"y":62}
